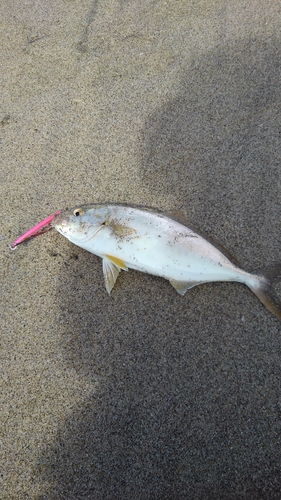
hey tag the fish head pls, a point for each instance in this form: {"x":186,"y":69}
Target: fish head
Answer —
{"x":81,"y":223}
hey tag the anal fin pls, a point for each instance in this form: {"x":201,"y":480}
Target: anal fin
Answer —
{"x":182,"y":286}
{"x":111,"y":267}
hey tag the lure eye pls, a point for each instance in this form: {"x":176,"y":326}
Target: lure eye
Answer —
{"x":78,"y":211}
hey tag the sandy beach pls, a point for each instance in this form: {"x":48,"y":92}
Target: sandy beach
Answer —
{"x":144,"y":394}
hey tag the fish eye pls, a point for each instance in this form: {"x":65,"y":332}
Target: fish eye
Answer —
{"x":78,"y":211}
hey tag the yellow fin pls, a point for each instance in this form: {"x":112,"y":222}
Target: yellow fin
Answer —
{"x":182,"y":286}
{"x":110,"y":272}
{"x":111,"y":267}
{"x":118,"y":262}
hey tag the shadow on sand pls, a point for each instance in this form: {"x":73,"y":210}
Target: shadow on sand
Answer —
{"x":188,"y":388}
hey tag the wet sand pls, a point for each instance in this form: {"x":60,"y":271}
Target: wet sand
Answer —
{"x":144,"y":394}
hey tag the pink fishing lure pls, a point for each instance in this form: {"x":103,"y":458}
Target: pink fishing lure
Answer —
{"x":40,"y":228}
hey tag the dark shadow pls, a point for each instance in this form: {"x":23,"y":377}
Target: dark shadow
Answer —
{"x":186,"y":402}
{"x":216,"y":146}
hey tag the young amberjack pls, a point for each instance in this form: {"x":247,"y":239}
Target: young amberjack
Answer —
{"x":126,"y":237}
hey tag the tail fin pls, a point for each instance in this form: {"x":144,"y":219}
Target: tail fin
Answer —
{"x":264,"y":288}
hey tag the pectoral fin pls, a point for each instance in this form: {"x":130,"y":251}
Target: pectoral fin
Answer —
{"x":111,"y":267}
{"x":118,"y":262}
{"x":182,"y":286}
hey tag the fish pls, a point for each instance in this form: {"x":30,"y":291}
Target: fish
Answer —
{"x":149,"y":241}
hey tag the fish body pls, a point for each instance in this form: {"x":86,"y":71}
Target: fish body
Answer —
{"x":150,"y":242}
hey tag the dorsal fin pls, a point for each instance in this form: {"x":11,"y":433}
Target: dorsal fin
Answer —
{"x":177,"y":216}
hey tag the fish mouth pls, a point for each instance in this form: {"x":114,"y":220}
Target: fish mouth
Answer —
{"x":59,"y":220}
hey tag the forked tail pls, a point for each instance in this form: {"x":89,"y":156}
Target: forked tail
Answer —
{"x":264,"y":290}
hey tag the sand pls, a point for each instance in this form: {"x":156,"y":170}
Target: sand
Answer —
{"x":144,"y":394}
